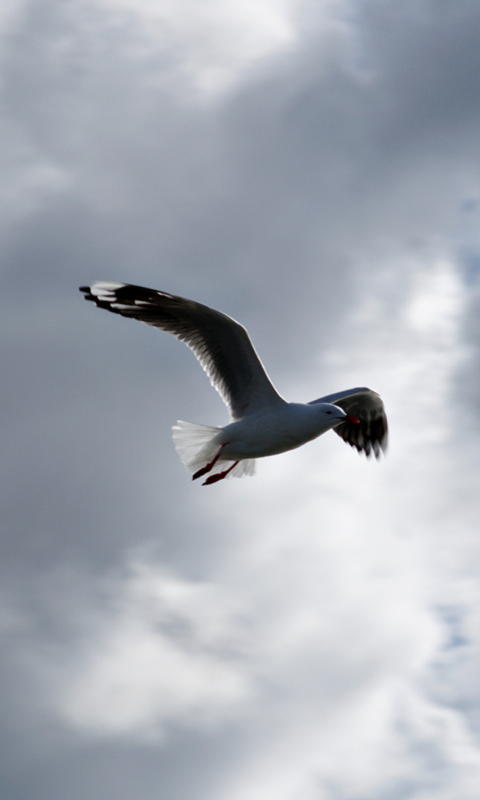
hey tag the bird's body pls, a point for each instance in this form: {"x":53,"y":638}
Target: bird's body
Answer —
{"x":263,"y":423}
{"x":283,"y":429}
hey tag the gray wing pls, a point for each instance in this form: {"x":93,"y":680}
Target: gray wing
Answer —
{"x":221,"y":344}
{"x":371,"y":435}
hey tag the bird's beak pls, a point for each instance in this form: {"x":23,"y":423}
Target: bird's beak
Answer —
{"x":351,"y":418}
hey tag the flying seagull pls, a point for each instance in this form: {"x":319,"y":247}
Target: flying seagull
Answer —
{"x":262,"y":422}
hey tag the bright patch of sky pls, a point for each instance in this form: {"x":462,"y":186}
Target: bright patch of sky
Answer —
{"x":212,"y":43}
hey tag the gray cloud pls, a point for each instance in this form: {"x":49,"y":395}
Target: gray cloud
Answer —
{"x":313,"y":179}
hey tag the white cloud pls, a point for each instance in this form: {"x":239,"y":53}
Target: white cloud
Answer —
{"x":165,"y":652}
{"x":210,"y":45}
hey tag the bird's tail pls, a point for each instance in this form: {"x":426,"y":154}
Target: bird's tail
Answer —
{"x":197,"y":445}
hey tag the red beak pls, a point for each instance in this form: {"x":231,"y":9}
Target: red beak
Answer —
{"x":351,"y":418}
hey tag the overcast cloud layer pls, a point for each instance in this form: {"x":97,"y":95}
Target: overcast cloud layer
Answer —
{"x":312,"y":169}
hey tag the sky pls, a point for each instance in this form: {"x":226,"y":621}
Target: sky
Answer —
{"x":312,"y":168}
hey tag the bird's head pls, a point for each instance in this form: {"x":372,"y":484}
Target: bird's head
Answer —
{"x":334,"y":415}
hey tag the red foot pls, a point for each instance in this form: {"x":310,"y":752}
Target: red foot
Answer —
{"x":208,"y":467}
{"x":219,"y":476}
{"x":200,"y":472}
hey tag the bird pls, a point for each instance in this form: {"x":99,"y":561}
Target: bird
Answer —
{"x":262,"y":422}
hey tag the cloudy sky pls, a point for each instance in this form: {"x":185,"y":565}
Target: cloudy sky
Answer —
{"x":312,"y":168}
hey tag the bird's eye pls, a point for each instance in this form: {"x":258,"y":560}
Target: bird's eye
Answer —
{"x":329,"y":412}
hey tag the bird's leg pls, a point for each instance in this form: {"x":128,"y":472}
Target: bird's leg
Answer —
{"x":219,"y":476}
{"x":207,"y":467}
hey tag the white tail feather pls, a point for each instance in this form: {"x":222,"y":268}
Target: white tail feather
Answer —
{"x":197,"y":445}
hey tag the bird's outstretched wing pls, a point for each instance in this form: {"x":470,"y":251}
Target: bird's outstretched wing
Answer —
{"x":371,"y":435}
{"x":221,"y":344}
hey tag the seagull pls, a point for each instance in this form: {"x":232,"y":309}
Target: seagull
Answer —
{"x":262,"y":422}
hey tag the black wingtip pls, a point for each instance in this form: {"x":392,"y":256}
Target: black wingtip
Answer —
{"x":87,"y":295}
